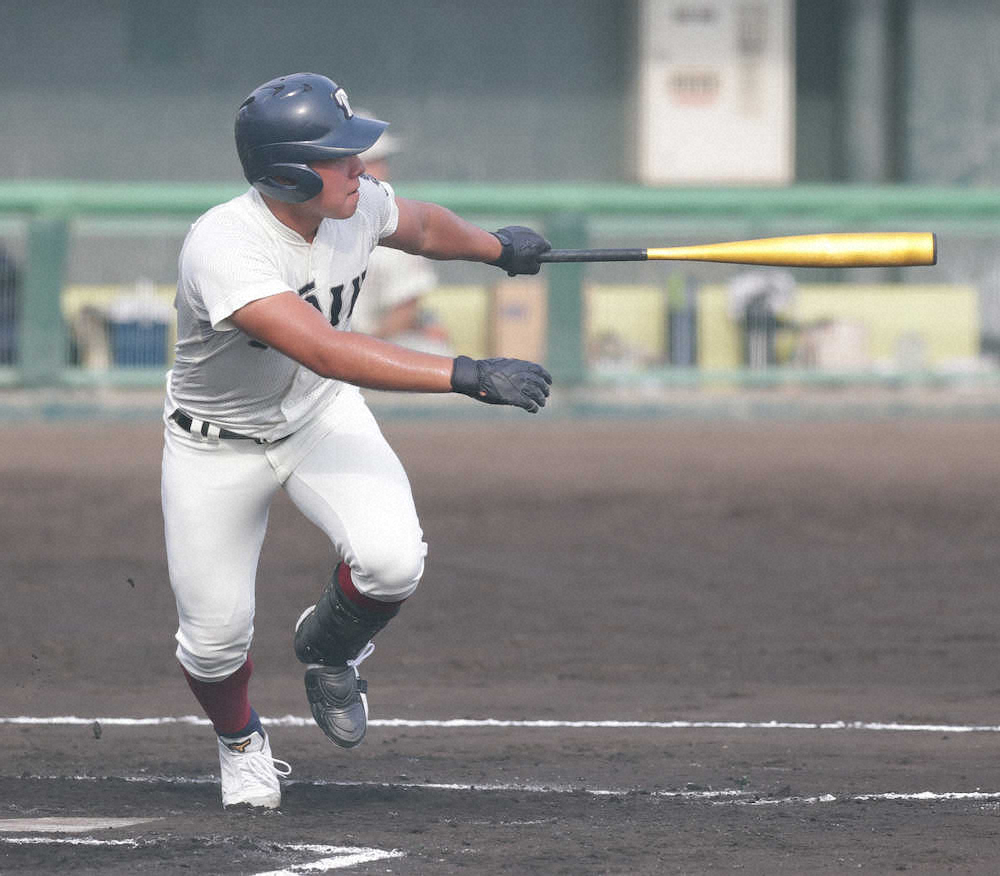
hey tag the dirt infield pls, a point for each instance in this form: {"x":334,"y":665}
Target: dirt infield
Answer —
{"x":747,"y":581}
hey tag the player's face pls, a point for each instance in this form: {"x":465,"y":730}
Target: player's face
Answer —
{"x":341,"y":178}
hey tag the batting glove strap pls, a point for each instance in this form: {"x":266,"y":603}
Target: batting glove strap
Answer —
{"x":521,"y":249}
{"x":502,"y":382}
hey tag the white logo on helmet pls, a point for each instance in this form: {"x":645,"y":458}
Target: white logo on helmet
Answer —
{"x":341,"y":97}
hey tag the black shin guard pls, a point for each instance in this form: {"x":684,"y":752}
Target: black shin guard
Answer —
{"x":338,"y":628}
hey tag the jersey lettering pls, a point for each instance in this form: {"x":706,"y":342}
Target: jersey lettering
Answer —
{"x":337,"y":293}
{"x":337,"y":296}
{"x":357,"y":281}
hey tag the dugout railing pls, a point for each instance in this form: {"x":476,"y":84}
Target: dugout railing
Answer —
{"x":53,"y":230}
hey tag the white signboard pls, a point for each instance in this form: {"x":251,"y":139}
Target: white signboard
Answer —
{"x":715,"y":91}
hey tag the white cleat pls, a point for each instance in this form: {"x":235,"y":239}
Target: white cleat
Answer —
{"x":249,"y":772}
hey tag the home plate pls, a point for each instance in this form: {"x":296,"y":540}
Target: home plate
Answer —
{"x":65,"y":825}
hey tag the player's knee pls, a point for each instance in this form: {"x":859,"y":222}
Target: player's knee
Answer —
{"x":212,"y":660}
{"x":389,"y":575}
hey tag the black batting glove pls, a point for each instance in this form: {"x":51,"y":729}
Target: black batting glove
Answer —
{"x":502,"y":382}
{"x":521,"y":249}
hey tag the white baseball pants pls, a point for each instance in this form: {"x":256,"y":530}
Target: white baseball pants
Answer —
{"x":338,"y":470}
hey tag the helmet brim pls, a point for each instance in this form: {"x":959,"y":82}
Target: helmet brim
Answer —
{"x":355,"y":135}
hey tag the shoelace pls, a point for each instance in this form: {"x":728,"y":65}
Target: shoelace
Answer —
{"x":366,"y":652}
{"x":282,"y":767}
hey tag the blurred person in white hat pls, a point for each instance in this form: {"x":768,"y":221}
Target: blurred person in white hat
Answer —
{"x":391,"y":305}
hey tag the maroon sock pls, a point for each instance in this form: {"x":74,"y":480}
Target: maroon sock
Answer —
{"x":225,"y":702}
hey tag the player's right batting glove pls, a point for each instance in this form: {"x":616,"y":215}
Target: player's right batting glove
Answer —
{"x":502,"y":382}
{"x":521,"y":249}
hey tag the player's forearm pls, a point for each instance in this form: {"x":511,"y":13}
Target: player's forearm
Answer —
{"x":297,"y":329}
{"x":445,"y":235}
{"x":375,"y":364}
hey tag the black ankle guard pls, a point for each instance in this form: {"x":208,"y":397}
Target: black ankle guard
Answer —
{"x":337,"y":629}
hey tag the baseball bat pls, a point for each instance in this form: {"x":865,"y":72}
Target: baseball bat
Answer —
{"x":880,"y":249}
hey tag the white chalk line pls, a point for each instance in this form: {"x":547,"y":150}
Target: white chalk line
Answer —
{"x":541,"y":724}
{"x":341,"y":861}
{"x":735,"y":796}
{"x":335,"y":857}
{"x":71,"y":841}
{"x":59,"y":824}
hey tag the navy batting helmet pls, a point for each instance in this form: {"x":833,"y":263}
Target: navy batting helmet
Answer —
{"x":290,"y":121}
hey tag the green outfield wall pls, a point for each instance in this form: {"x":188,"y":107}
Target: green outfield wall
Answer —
{"x":47,"y":215}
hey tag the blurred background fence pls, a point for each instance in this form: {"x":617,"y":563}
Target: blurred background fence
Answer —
{"x":634,"y":123}
{"x":88,"y":276}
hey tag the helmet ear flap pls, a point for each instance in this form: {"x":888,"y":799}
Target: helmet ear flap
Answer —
{"x":291,"y":183}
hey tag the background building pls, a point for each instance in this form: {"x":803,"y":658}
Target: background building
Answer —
{"x":885,"y":90}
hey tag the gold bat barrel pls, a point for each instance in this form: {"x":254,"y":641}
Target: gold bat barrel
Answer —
{"x":841,"y":250}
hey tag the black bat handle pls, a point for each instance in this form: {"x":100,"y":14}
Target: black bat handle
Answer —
{"x":593,"y":255}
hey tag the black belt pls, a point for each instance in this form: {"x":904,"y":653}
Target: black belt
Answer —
{"x":206,"y":429}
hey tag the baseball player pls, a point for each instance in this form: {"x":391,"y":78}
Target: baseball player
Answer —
{"x":264,"y":395}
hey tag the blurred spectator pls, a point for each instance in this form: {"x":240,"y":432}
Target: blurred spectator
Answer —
{"x":9,"y":308}
{"x":89,"y":338}
{"x":390,"y":305}
{"x":761,"y":301}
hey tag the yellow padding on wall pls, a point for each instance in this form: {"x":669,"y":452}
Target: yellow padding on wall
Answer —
{"x":942,"y":321}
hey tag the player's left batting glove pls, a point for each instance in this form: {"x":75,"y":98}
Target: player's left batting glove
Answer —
{"x":502,"y":382}
{"x":521,"y":249}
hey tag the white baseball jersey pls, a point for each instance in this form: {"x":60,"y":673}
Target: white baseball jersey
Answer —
{"x":240,"y":252}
